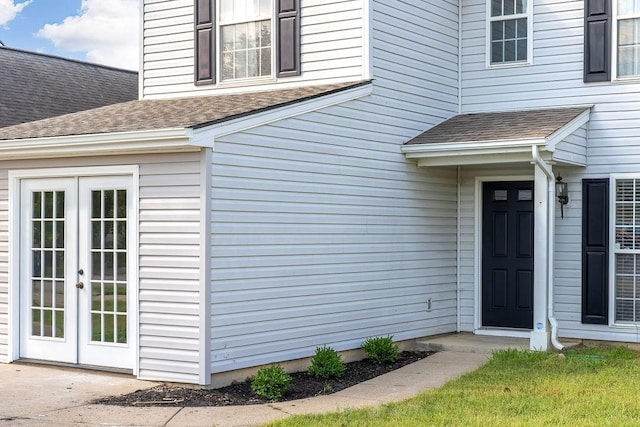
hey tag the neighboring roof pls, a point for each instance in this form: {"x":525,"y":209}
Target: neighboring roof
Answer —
{"x":145,"y":115}
{"x":36,"y":86}
{"x":507,"y":125}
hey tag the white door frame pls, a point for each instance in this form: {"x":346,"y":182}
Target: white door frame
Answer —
{"x":15,"y":178}
{"x":478,"y":329}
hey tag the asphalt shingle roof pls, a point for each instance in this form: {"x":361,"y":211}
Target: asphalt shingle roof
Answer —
{"x":506,"y":125}
{"x":36,"y":86}
{"x":168,"y":113}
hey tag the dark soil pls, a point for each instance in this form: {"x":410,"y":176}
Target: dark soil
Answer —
{"x":303,"y":385}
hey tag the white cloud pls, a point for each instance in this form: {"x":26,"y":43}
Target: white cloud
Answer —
{"x":9,"y":9}
{"x":107,"y":30}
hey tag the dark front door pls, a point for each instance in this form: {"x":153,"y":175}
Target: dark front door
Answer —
{"x":507,"y":254}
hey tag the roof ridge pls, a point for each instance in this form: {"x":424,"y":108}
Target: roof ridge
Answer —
{"x":77,"y":61}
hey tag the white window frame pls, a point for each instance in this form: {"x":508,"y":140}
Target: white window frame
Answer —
{"x":218,"y":49}
{"x":614,"y":42}
{"x":613,"y":251}
{"x":528,"y":15}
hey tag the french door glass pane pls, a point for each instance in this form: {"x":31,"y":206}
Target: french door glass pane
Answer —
{"x":108,"y":266}
{"x":47,"y":264}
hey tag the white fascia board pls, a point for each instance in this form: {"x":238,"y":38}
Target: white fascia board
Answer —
{"x":471,"y":147}
{"x":206,"y":136}
{"x":476,"y":159}
{"x":568,"y":129}
{"x":159,"y":140}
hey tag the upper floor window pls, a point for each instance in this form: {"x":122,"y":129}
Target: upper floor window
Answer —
{"x":611,"y":39}
{"x":509,"y":31}
{"x":628,"y":36}
{"x":245,"y":39}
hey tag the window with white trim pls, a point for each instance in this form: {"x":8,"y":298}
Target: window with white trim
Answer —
{"x":627,"y":250}
{"x":509,"y":31}
{"x":628,"y":36}
{"x":245,"y":39}
{"x":237,"y":40}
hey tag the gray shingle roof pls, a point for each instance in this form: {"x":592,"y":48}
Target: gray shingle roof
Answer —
{"x":168,"y":113}
{"x":37,"y":86}
{"x":506,"y":125}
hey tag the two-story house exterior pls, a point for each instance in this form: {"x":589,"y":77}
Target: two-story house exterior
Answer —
{"x":281,"y":184}
{"x":554,"y":84}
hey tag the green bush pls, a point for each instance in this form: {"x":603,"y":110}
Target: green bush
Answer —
{"x":381,"y":349}
{"x":271,"y":382}
{"x":326,"y":363}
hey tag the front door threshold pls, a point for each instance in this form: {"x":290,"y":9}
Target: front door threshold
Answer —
{"x":466,"y":342}
{"x":503,"y":332}
{"x":29,"y":361}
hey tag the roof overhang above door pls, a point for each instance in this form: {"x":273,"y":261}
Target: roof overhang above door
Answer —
{"x":559,"y":135}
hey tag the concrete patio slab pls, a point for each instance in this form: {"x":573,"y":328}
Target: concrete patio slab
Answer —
{"x":32,"y":390}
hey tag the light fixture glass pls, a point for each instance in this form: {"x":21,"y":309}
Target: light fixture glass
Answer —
{"x":562,"y":193}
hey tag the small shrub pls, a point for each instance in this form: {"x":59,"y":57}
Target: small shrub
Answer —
{"x":326,"y":363}
{"x":271,"y":382}
{"x":381,"y":349}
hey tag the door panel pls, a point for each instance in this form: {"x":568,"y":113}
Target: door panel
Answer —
{"x":106,"y":328}
{"x":507,"y":254}
{"x":76,"y":301}
{"x":47,"y":294}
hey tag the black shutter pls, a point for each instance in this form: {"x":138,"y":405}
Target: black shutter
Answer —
{"x":595,"y":251}
{"x":597,"y":40}
{"x":288,"y":38}
{"x":205,"y":42}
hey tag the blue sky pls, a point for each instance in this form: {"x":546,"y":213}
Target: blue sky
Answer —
{"x":101,"y":31}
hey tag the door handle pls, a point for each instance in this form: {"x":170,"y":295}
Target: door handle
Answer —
{"x":80,"y":285}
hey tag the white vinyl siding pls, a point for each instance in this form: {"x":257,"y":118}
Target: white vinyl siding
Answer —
{"x":415,"y":59}
{"x":170,"y":288}
{"x":332,"y":48}
{"x":324,"y":234}
{"x":573,"y":149}
{"x":169,"y":239}
{"x":556,"y":80}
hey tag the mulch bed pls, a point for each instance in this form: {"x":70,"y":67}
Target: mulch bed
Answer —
{"x":303,"y":385}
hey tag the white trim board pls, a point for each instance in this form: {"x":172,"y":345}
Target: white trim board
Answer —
{"x":15,"y":178}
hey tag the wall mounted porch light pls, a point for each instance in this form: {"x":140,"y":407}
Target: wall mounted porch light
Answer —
{"x":562,"y":193}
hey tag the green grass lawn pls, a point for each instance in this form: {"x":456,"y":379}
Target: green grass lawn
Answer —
{"x":591,"y":386}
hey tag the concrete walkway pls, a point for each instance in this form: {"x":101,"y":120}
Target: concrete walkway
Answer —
{"x":50,"y":396}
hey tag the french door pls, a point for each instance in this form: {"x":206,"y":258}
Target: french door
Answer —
{"x":76,"y":299}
